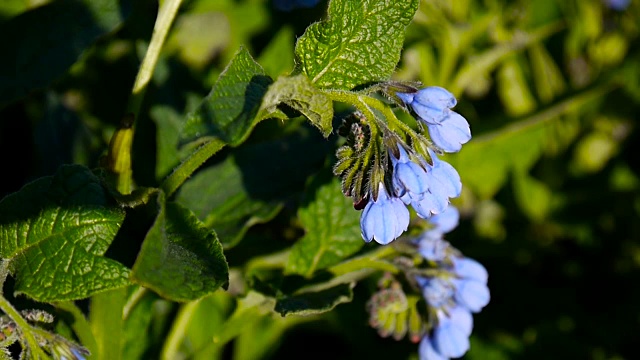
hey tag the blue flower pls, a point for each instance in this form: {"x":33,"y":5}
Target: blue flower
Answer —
{"x":449,"y":340}
{"x":448,"y":129}
{"x":432,"y":247}
{"x":409,"y":178}
{"x":427,"y":351}
{"x":468,"y":268}
{"x":450,"y":337}
{"x":437,"y":291}
{"x":445,"y":221}
{"x":444,"y":177}
{"x":472,"y":294}
{"x":383,"y":219}
{"x":443,"y":182}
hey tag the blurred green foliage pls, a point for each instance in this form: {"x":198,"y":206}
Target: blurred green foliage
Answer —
{"x":551,"y":196}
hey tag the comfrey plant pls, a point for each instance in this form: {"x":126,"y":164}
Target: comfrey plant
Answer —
{"x":56,"y":232}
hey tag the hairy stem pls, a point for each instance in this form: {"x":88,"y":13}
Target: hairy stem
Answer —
{"x":181,"y":173}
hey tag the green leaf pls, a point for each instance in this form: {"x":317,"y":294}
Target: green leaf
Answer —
{"x":513,"y":88}
{"x":547,"y":76}
{"x":255,"y":180}
{"x":332,"y":231}
{"x":229,"y":111}
{"x":298,"y":93}
{"x":54,"y":232}
{"x":48,"y":39}
{"x":358,"y":43}
{"x":533,"y":196}
{"x":180,"y":258}
{"x":312,"y":303}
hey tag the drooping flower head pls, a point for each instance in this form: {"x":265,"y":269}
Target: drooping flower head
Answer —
{"x":448,"y":129}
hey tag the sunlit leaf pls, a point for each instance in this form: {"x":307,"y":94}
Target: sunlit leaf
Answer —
{"x":54,"y":232}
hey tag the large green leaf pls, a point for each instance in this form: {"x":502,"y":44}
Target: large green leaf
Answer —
{"x":249,"y":186}
{"x":358,"y":43}
{"x":229,"y":111}
{"x":298,"y":93}
{"x":332,"y":231}
{"x":180,"y":258}
{"x":54,"y":232}
{"x":41,"y":44}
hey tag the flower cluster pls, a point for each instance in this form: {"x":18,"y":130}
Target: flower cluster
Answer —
{"x":425,"y":185}
{"x":457,"y":289}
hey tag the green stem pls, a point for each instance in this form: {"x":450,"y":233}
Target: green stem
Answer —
{"x":367,"y":261}
{"x":190,"y":165}
{"x":166,"y":14}
{"x":133,"y":300}
{"x":25,"y":329}
{"x":120,"y":146}
{"x":356,"y":100}
{"x":178,"y":330}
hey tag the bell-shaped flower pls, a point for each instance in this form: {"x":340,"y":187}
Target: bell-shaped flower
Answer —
{"x":409,"y":178}
{"x":443,"y":179}
{"x":451,"y":133}
{"x":445,"y":221}
{"x":448,"y":129}
{"x":430,"y":203}
{"x":470,"y":269}
{"x":459,"y":316}
{"x":430,"y":103}
{"x":432,"y":246}
{"x":427,"y":351}
{"x":450,"y":340}
{"x":383,"y":219}
{"x":438,"y":292}
{"x":472,"y":294}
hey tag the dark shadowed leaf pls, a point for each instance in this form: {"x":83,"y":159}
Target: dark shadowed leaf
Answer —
{"x":47,"y":40}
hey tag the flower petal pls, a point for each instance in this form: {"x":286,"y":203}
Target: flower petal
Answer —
{"x":436,"y":97}
{"x":427,"y":351}
{"x":472,"y":294}
{"x":449,"y":340}
{"x":468,"y":268}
